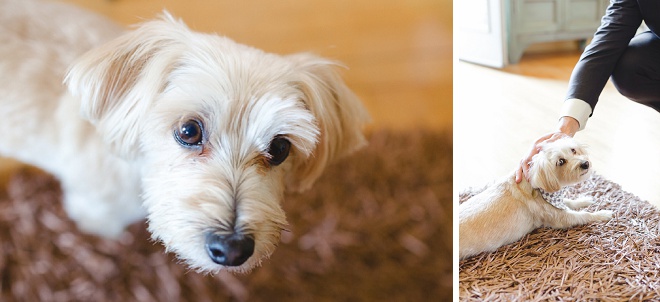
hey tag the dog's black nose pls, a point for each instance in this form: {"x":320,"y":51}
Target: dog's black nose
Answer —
{"x":232,"y":250}
{"x":584,"y":165}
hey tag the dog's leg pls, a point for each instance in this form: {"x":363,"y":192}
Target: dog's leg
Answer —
{"x":100,"y":215}
{"x":561,"y":219}
{"x":102,"y":199}
{"x":578,"y":203}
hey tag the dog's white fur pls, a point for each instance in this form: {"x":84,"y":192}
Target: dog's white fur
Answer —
{"x":505,"y":211}
{"x":110,"y":138}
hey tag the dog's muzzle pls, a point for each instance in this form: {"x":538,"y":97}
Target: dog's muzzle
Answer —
{"x":231,"y":250}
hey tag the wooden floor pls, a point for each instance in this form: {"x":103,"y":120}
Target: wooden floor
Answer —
{"x":499,"y":113}
{"x":398,"y":53}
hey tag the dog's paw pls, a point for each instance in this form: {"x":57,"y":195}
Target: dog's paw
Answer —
{"x":578,"y":203}
{"x":603,"y":215}
{"x":111,"y":229}
{"x":97,"y":216}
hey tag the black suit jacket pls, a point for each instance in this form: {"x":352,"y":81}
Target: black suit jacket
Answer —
{"x":617,"y":28}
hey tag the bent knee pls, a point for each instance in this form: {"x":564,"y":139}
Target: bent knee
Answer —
{"x":637,"y":73}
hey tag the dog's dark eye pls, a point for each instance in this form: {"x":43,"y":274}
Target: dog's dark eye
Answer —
{"x":574,"y":152}
{"x":561,"y":162}
{"x":278,"y":150}
{"x":189,"y":133}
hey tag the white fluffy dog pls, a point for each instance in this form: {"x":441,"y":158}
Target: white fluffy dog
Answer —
{"x":506,"y":211}
{"x":197,"y":132}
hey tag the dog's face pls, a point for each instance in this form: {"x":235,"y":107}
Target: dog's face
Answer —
{"x":219,"y":130}
{"x":560,"y":163}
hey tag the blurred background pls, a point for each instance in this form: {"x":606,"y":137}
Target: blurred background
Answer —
{"x":398,"y":54}
{"x":376,"y":227}
{"x":515,"y":62}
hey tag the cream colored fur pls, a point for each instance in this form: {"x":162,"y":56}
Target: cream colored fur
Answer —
{"x":109,"y":138}
{"x":505,"y":211}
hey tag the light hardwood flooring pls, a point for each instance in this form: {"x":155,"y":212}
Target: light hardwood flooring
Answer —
{"x":398,"y":53}
{"x":499,"y":113}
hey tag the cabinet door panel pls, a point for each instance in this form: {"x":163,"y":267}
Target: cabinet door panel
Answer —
{"x":537,"y":16}
{"x":583,"y":14}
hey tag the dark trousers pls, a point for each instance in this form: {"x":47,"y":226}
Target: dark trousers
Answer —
{"x":637,"y":74}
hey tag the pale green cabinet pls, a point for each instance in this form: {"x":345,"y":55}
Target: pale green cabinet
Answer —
{"x":534,"y":21}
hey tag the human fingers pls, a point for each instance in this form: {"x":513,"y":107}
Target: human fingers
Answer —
{"x":523,"y":169}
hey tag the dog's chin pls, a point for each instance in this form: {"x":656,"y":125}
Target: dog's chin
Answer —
{"x":575,"y":178}
{"x":247,"y":267}
{"x":584,"y":175}
{"x":578,"y":178}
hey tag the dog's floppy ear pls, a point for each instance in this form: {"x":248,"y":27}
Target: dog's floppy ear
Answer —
{"x":118,"y":81}
{"x":338,"y":112}
{"x":543,"y":174}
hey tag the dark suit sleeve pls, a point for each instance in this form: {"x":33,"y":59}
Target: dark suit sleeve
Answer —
{"x":598,"y":60}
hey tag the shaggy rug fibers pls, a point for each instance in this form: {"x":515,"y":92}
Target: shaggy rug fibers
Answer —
{"x":376,"y":227}
{"x":614,"y":261}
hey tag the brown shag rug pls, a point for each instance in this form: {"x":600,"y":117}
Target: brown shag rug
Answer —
{"x":614,"y":261}
{"x":376,"y":227}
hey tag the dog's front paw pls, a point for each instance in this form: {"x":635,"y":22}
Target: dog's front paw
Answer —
{"x":110,"y":229}
{"x":102,"y":217}
{"x":602,"y":215}
{"x":578,"y":203}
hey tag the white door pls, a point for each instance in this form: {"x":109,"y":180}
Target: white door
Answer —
{"x":480,"y":32}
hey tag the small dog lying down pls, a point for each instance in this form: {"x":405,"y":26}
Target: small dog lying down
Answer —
{"x":506,"y":211}
{"x":196,"y":132}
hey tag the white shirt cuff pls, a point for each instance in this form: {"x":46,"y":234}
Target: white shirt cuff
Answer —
{"x":577,"y":109}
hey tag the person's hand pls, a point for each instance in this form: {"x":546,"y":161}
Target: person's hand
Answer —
{"x":525,"y":163}
{"x":567,"y":126}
